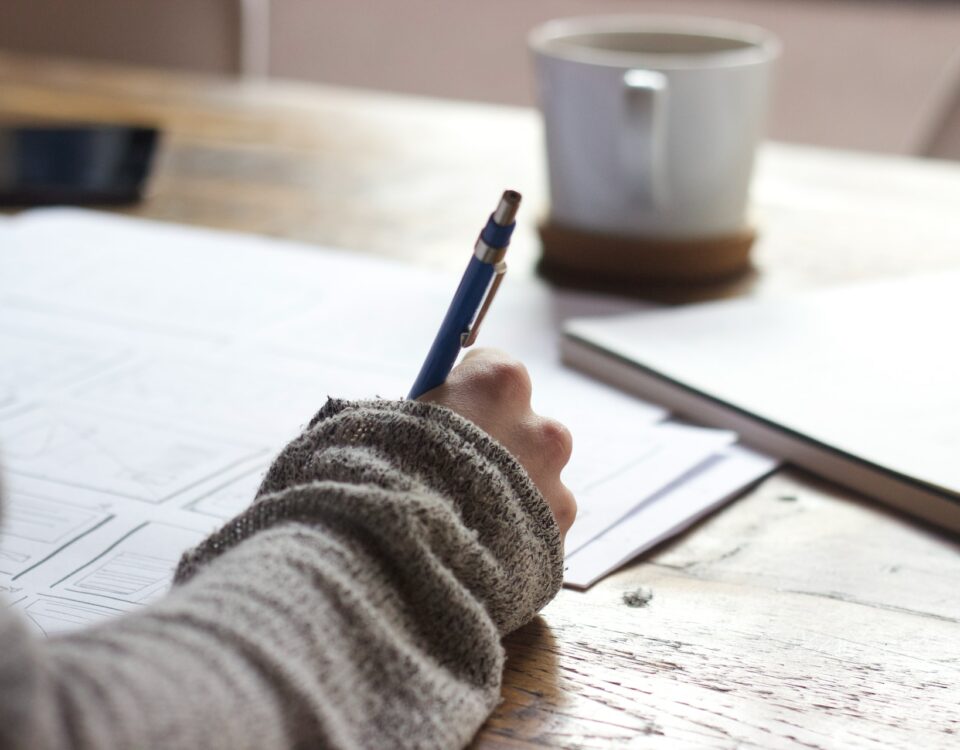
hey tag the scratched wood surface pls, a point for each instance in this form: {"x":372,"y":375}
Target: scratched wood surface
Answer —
{"x":799,"y":616}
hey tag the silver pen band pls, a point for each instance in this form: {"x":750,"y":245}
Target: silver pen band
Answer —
{"x":487,"y":254}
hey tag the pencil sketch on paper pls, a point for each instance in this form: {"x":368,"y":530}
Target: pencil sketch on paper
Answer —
{"x":51,"y":614}
{"x":36,"y":528}
{"x":229,"y":499}
{"x":117,"y":455}
{"x":136,"y":568}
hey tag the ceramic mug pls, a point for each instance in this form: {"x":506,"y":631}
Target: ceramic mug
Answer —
{"x":652,"y":123}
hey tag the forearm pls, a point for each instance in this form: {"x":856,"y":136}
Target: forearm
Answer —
{"x":233,"y":660}
{"x":358,"y":603}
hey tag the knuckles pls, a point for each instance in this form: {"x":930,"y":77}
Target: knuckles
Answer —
{"x":556,"y":441}
{"x":506,"y":379}
{"x":543,"y":445}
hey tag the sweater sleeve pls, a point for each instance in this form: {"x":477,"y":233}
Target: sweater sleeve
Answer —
{"x":359,"y":602}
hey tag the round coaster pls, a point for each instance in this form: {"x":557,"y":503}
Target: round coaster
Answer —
{"x":590,"y":257}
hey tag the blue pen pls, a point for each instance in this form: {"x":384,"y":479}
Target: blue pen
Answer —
{"x":472,"y":299}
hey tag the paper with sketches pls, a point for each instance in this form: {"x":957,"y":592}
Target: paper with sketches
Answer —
{"x":152,"y":371}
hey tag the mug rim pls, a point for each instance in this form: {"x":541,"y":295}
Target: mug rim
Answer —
{"x":761,"y":45}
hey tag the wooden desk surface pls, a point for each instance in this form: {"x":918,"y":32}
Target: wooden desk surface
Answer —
{"x":799,"y":616}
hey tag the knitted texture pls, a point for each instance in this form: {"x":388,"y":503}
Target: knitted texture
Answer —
{"x":358,"y":602}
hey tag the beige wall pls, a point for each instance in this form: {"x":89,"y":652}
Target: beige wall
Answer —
{"x":868,"y":74}
{"x":945,"y":135}
{"x":857,"y":73}
{"x":191,"y":34}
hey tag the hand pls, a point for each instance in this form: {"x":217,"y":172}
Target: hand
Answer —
{"x":493,"y":391}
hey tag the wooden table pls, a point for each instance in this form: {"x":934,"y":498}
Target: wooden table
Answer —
{"x":799,"y":616}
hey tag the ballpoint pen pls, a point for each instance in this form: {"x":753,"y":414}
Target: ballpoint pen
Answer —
{"x":473,"y":296}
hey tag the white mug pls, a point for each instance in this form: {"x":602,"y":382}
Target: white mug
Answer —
{"x":652,"y":123}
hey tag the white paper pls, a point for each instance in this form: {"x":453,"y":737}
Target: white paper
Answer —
{"x":669,"y":512}
{"x":645,"y":466}
{"x":147,"y":461}
{"x":151,"y":372}
{"x":71,"y":556}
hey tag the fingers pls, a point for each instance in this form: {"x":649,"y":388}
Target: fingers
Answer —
{"x":549,"y":446}
{"x":557,"y":442}
{"x":563,"y":504}
{"x":493,"y":390}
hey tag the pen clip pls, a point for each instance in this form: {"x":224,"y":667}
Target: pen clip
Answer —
{"x":468,"y":337}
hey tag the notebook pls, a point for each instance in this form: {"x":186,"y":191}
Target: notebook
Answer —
{"x":859,"y":384}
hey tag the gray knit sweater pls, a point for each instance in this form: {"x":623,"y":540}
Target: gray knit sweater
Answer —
{"x":359,"y":602}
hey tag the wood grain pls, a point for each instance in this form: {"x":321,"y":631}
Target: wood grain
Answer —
{"x":798,"y":617}
{"x":815,"y":622}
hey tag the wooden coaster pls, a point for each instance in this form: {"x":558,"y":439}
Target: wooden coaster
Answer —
{"x":581,"y":258}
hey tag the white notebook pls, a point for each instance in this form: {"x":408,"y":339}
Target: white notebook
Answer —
{"x":860,"y":384}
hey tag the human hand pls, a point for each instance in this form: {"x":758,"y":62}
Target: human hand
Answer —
{"x":493,"y":391}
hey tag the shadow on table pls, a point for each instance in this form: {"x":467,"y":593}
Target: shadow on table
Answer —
{"x":531,"y":689}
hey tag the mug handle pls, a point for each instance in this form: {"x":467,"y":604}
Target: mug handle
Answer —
{"x":642,"y":135}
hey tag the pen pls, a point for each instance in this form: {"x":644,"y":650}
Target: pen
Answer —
{"x":473,"y":296}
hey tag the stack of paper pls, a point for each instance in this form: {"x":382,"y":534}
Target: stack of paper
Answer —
{"x":152,"y":371}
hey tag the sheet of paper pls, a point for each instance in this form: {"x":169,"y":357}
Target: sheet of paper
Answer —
{"x":71,"y":555}
{"x":630,"y":470}
{"x":151,"y":372}
{"x":669,"y":512}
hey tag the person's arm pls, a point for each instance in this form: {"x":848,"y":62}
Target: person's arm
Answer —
{"x":358,"y":603}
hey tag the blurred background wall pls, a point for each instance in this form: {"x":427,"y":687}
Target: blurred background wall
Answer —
{"x":879,"y":75}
